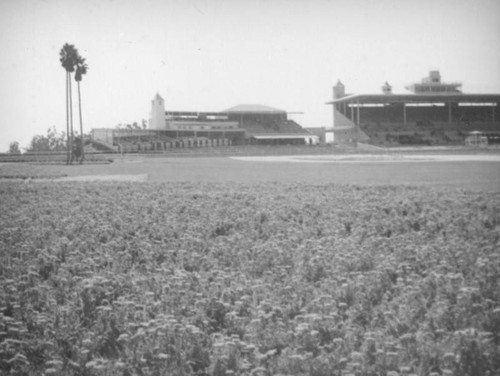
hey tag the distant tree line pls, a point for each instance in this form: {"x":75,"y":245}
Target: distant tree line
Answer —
{"x":71,"y":61}
{"x":134,"y":125}
{"x":51,"y":141}
{"x":54,"y":141}
{"x":14,"y":148}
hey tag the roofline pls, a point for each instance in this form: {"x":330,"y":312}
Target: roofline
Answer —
{"x":196,"y":112}
{"x":263,"y":109}
{"x":256,"y":112}
{"x":419,"y":98}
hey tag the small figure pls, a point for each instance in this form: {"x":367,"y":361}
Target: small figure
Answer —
{"x":77,"y":152}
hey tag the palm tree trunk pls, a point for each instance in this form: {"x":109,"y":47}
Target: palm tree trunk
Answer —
{"x":81,"y":123}
{"x":68,"y":149}
{"x":71,"y":118}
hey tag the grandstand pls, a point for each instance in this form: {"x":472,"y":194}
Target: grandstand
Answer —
{"x":265,"y":125}
{"x":239,"y":125}
{"x":153,"y":140}
{"x":433,"y":112}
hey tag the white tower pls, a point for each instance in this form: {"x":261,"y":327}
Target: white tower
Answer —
{"x":338,"y":90}
{"x":157,"y":120}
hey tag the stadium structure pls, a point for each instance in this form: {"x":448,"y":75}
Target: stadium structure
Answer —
{"x":433,"y":112}
{"x":239,"y":125}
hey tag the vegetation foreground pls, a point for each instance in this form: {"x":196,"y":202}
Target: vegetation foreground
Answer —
{"x":269,"y":279}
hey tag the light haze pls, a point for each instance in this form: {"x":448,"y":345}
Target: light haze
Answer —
{"x":212,"y":55}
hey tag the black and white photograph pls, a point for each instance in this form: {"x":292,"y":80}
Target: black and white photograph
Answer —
{"x":250,"y":188}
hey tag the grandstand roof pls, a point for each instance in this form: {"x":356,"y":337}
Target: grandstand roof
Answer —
{"x":279,"y":136}
{"x":254,"y":108}
{"x":418,"y":98}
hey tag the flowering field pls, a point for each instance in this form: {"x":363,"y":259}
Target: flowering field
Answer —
{"x":248,"y":279}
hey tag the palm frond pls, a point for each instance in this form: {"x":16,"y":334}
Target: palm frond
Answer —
{"x":68,"y":57}
{"x":81,"y":68}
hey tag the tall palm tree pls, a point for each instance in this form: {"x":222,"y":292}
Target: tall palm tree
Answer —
{"x":81,"y":69}
{"x":68,"y":58}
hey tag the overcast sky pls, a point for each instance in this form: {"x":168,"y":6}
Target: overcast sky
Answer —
{"x":209,"y":55}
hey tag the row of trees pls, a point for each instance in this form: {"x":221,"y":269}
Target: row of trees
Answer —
{"x":51,"y":141}
{"x":71,"y":61}
{"x":14,"y":148}
{"x":134,"y":125}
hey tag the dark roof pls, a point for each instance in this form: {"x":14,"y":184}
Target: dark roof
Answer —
{"x":418,"y":98}
{"x":254,"y":109}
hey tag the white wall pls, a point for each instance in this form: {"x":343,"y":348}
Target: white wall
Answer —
{"x":157,"y":120}
{"x":329,"y":138}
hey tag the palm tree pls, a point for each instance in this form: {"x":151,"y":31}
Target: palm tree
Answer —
{"x":81,"y":69}
{"x":68,"y":58}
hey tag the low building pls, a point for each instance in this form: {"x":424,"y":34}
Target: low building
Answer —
{"x":239,"y":125}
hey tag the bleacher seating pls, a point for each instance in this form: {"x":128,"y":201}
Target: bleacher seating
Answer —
{"x":159,"y":145}
{"x":259,"y":128}
{"x":469,"y":114}
{"x":429,"y":133}
{"x":282,"y":127}
{"x":426,"y":114}
{"x":290,"y":126}
{"x":387,"y":114}
{"x":426,"y":124}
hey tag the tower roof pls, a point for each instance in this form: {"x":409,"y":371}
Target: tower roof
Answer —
{"x":158,"y":96}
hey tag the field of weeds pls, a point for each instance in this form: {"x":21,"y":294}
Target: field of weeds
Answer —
{"x":266,"y":279}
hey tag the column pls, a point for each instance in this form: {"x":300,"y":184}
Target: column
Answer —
{"x":333,"y":116}
{"x":358,"y":112}
{"x":404,"y":113}
{"x":449,"y":113}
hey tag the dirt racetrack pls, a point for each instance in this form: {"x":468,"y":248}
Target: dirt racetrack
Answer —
{"x":456,"y":171}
